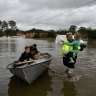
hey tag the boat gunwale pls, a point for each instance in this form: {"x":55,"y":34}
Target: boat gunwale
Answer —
{"x":32,"y":64}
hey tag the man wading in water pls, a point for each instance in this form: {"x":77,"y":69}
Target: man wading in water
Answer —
{"x":66,"y":50}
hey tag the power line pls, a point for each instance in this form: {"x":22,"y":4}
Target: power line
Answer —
{"x":56,"y":26}
{"x":50,"y":25}
{"x":72,"y":2}
{"x":65,"y":12}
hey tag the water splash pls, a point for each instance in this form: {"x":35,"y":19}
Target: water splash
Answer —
{"x":75,"y":78}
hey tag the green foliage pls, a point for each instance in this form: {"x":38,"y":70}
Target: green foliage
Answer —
{"x":51,"y":34}
{"x":12,"y":24}
{"x":8,"y":28}
{"x":1,"y":33}
{"x":73,"y":28}
{"x":36,"y":36}
{"x":87,"y":32}
{"x":61,"y":32}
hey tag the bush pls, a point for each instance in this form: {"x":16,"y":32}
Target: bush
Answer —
{"x":36,"y":36}
{"x":51,"y":35}
{"x":1,"y":34}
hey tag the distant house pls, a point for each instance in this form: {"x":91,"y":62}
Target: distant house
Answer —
{"x":35,"y":33}
{"x":29,"y":34}
{"x":20,"y":33}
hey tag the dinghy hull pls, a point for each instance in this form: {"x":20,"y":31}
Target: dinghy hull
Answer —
{"x":31,"y":72}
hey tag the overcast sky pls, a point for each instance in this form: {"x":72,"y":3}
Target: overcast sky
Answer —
{"x":49,"y":14}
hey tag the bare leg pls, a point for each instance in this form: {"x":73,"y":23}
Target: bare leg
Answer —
{"x":37,"y":56}
{"x":70,"y":72}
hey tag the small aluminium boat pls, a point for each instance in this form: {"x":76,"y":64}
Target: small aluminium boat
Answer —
{"x":30,"y":72}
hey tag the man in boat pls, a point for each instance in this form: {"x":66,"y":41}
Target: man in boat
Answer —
{"x":26,"y":55}
{"x":34,"y":52}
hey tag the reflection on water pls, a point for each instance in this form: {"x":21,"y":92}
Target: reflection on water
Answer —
{"x":91,"y":43}
{"x":49,"y":84}
{"x":7,"y":45}
{"x":40,"y":86}
{"x":69,"y":86}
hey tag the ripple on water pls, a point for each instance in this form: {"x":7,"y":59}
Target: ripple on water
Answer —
{"x":54,"y":83}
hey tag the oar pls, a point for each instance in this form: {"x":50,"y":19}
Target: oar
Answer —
{"x":25,"y":62}
{"x":34,"y":61}
{"x":20,"y":63}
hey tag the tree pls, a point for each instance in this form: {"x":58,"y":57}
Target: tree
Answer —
{"x":8,"y":28}
{"x":61,"y":32}
{"x":51,"y":34}
{"x":4,"y":26}
{"x":1,"y":34}
{"x":12,"y":25}
{"x":12,"y":28}
{"x":0,"y":25}
{"x":73,"y":28}
{"x":82,"y":29}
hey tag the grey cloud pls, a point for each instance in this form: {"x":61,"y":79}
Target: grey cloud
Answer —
{"x":27,"y":12}
{"x":54,"y":4}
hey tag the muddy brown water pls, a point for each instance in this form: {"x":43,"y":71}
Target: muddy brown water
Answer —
{"x":50,"y":83}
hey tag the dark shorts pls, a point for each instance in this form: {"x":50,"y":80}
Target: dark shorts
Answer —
{"x":66,"y":61}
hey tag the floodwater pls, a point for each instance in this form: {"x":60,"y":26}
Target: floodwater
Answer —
{"x":51,"y":83}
